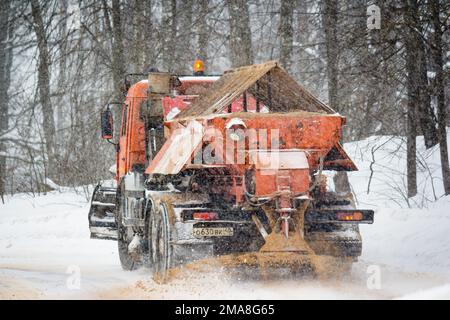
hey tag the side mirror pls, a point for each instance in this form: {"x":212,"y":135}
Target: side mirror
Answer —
{"x":107,"y":124}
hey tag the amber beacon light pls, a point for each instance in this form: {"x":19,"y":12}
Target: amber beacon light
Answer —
{"x":198,"y":67}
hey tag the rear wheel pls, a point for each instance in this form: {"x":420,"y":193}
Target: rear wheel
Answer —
{"x":159,"y":243}
{"x":124,"y":235}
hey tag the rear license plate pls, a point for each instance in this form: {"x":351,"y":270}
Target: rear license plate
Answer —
{"x":212,"y":232}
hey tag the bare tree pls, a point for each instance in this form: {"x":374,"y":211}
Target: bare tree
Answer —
{"x":435,"y":9}
{"x":202,"y":7}
{"x":150,"y":45}
{"x":63,"y":4}
{"x":5,"y":73}
{"x":241,"y":50}
{"x":118,"y":59}
{"x":420,"y":114}
{"x":286,"y":32}
{"x":330,"y":25}
{"x":43,"y":84}
{"x":418,"y":72}
{"x":330,"y":20}
{"x":169,"y":25}
{"x":185,"y":37}
{"x":138,"y":32}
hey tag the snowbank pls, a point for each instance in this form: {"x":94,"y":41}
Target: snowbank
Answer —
{"x":45,"y":241}
{"x":414,"y":240}
{"x":411,"y":234}
{"x":36,"y":228}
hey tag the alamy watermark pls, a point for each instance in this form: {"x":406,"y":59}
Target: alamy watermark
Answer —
{"x":73,"y":281}
{"x":374,"y":17}
{"x":374,"y":277}
{"x":212,"y":146}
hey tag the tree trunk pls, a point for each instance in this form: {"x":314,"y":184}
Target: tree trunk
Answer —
{"x":169,"y":33}
{"x":367,"y":84}
{"x":150,"y":53}
{"x":424,"y":112}
{"x":107,"y":22}
{"x":186,"y":56}
{"x":286,"y":32}
{"x":139,"y":25}
{"x":44,"y":87}
{"x":5,"y":71}
{"x":62,"y":66}
{"x":440,"y":90}
{"x":118,"y":60}
{"x":414,"y":100}
{"x":241,"y":50}
{"x":203,"y":30}
{"x":330,"y":20}
{"x":411,"y":169}
{"x":427,"y":118}
{"x":62,"y":97}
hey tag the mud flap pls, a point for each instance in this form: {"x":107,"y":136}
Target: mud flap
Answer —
{"x":102,"y":222}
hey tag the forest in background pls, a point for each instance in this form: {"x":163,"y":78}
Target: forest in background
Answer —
{"x":384,"y":65}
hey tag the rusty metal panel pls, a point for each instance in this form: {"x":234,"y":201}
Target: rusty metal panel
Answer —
{"x":293,"y":180}
{"x":275,"y":88}
{"x":159,"y":82}
{"x":337,"y":159}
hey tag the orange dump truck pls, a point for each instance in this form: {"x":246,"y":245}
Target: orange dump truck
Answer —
{"x":231,"y":165}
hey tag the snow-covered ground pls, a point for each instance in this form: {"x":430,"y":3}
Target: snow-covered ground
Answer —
{"x":411,"y":234}
{"x":45,"y":250}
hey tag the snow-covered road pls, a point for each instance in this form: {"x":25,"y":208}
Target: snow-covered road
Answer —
{"x":45,"y":250}
{"x":33,"y":284}
{"x":45,"y":245}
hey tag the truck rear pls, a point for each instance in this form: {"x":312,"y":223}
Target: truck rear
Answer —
{"x":231,"y":167}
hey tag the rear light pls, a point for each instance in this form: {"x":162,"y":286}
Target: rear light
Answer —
{"x":205,"y":216}
{"x":339,"y":216}
{"x":350,"y":216}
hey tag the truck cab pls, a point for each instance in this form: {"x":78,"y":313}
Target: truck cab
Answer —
{"x":136,"y":146}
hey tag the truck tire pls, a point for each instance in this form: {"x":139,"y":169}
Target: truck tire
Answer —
{"x":126,"y":259}
{"x":159,"y":243}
